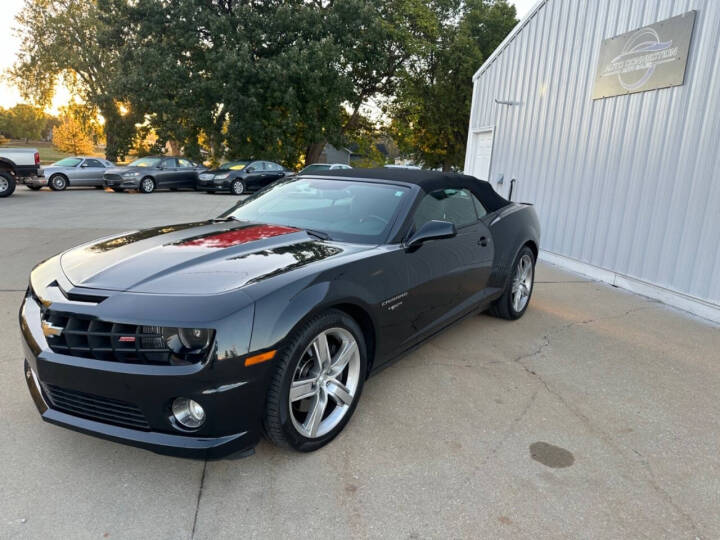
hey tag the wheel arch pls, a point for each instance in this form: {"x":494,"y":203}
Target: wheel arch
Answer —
{"x":7,"y":165}
{"x":271,"y":329}
{"x":533,"y":247}
{"x":364,"y":320}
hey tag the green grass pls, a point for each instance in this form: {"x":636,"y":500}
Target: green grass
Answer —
{"x":48,"y":153}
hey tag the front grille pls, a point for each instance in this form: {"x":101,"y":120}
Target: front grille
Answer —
{"x":111,"y":411}
{"x":112,"y":177}
{"x":86,"y":337}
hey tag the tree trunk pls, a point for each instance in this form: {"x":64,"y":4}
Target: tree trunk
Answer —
{"x":112,"y":150}
{"x":446,"y":167}
{"x":174,"y":147}
{"x":313,"y":152}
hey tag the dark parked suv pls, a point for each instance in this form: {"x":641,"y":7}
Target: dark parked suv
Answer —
{"x":240,"y":176}
{"x":154,"y":172}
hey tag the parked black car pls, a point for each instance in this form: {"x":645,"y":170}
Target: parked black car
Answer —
{"x":196,"y":338}
{"x":147,"y":174}
{"x":241,"y":176}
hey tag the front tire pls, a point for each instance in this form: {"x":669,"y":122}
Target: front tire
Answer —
{"x":317,"y":384}
{"x":58,"y":182}
{"x":516,"y":298}
{"x":147,"y":185}
{"x":237,"y":187}
{"x":7,"y":184}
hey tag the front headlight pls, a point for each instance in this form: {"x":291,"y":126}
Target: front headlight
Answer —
{"x":187,"y":342}
{"x":130,"y":174}
{"x":221,"y":176}
{"x":166,"y":344}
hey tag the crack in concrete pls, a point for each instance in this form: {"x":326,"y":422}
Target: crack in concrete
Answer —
{"x":199,"y":496}
{"x":585,"y":420}
{"x":511,"y":428}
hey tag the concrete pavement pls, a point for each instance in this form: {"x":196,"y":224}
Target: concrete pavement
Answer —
{"x":594,"y":416}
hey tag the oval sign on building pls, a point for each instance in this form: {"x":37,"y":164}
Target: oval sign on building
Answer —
{"x":650,"y":57}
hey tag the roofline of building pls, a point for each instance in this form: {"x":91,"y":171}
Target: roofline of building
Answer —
{"x":505,"y":42}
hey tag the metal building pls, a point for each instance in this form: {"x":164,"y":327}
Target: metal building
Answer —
{"x":607,"y":115}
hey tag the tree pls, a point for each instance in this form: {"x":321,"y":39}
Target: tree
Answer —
{"x":25,"y":122}
{"x":72,"y":47}
{"x":70,"y":137}
{"x":429,"y":115}
{"x":276,"y":79}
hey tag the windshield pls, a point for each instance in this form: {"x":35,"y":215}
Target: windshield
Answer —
{"x":315,"y":167}
{"x":348,"y":211}
{"x":68,"y":162}
{"x":146,"y":162}
{"x":233,"y":166}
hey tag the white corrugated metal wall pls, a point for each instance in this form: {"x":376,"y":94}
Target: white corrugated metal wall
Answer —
{"x":630,"y":184}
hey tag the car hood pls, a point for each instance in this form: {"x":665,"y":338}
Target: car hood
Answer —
{"x":199,"y":258}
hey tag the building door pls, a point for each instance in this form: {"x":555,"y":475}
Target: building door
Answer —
{"x":482,"y":146}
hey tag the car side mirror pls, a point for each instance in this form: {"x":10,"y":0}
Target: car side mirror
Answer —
{"x":84,"y":165}
{"x":432,"y":230}
{"x":250,"y":169}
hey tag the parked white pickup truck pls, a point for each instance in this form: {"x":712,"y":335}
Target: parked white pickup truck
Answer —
{"x":17,"y":164}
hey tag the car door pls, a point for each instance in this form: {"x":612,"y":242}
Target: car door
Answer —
{"x":94,"y":171}
{"x":446,"y":277}
{"x":188,"y":173}
{"x":82,"y":174}
{"x":273,"y":172}
{"x":254,"y":176}
{"x":168,"y":176}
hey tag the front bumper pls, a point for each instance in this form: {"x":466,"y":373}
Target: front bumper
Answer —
{"x":123,"y":183}
{"x":212,"y":185}
{"x":232,"y":395}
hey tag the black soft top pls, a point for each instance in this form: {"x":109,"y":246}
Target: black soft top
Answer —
{"x":428,"y":181}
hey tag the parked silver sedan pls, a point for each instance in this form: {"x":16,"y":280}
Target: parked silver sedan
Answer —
{"x":73,"y":171}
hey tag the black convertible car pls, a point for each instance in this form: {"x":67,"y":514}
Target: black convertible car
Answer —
{"x":197,"y":338}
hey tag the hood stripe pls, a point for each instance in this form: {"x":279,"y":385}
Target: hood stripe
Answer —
{"x":236,"y":237}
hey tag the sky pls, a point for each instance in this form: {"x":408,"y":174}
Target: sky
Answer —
{"x":10,"y":44}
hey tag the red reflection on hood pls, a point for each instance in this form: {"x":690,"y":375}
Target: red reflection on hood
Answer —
{"x":239,"y":236}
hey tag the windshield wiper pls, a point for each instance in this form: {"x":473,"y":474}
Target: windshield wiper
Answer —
{"x":228,"y":218}
{"x":318,"y":234}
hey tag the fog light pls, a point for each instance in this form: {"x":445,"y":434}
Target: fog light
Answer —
{"x":188,"y":413}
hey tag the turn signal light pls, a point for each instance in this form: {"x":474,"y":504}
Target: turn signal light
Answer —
{"x":259,"y":358}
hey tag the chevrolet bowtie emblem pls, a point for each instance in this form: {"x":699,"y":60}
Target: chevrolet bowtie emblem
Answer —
{"x":50,"y":329}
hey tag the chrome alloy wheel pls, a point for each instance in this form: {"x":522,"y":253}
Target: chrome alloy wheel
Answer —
{"x":58,"y":182}
{"x":325,"y":382}
{"x":148,"y":185}
{"x":522,"y":283}
{"x":4,"y":184}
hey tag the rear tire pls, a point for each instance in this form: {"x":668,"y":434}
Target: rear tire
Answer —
{"x":325,"y":390}
{"x":7,"y":184}
{"x":516,"y":298}
{"x":58,"y":182}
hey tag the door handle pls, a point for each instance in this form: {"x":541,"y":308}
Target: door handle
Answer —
{"x":483,"y":241}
